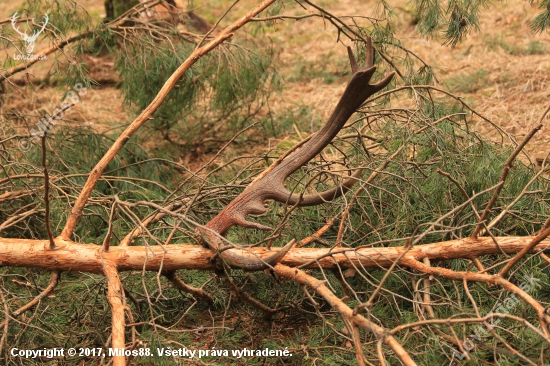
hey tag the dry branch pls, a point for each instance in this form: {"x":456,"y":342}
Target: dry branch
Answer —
{"x":537,"y":239}
{"x":505,"y":170}
{"x":71,"y":256}
{"x":6,"y":74}
{"x":40,"y":55}
{"x":319,"y":286}
{"x":47,"y":194}
{"x":53,"y":282}
{"x":114,"y":296}
{"x":486,"y":278}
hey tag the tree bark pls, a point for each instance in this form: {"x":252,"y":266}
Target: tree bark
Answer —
{"x":71,"y":256}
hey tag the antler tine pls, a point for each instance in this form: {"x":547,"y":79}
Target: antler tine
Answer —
{"x":369,"y":57}
{"x":270,"y":184}
{"x":352,"y":61}
{"x":326,"y":196}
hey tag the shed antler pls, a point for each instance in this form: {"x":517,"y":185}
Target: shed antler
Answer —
{"x":270,"y":184}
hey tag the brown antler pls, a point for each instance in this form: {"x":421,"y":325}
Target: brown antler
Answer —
{"x":270,"y":184}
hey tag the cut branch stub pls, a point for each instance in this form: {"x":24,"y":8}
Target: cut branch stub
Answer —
{"x":270,"y":184}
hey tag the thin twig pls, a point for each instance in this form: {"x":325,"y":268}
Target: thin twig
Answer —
{"x":47,"y":194}
{"x":107,"y":240}
{"x":54,"y":279}
{"x":505,"y":170}
{"x":481,"y":277}
{"x":319,"y":286}
{"x":536,"y":240}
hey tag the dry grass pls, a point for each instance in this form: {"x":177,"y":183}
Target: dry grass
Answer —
{"x":516,"y":88}
{"x":511,"y":84}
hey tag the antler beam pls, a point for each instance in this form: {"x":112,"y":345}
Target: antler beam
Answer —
{"x":270,"y":184}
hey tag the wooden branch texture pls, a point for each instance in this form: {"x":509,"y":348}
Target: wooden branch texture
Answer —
{"x":71,"y":256}
{"x":118,"y":322}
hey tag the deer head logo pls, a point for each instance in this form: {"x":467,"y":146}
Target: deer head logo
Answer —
{"x":29,"y":39}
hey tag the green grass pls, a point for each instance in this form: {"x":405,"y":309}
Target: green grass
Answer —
{"x":308,"y":71}
{"x":510,"y":47}
{"x":468,"y":83}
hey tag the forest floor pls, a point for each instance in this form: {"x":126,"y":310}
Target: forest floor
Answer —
{"x":503,"y":71}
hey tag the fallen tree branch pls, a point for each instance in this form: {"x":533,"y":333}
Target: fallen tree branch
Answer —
{"x":118,"y":322}
{"x":71,"y":256}
{"x":318,"y":286}
{"x":486,"y":278}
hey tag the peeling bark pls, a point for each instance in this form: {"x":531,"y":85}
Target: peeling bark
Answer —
{"x":71,"y":256}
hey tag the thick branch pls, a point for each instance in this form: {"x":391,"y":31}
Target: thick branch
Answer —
{"x":71,"y":256}
{"x":114,"y":296}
